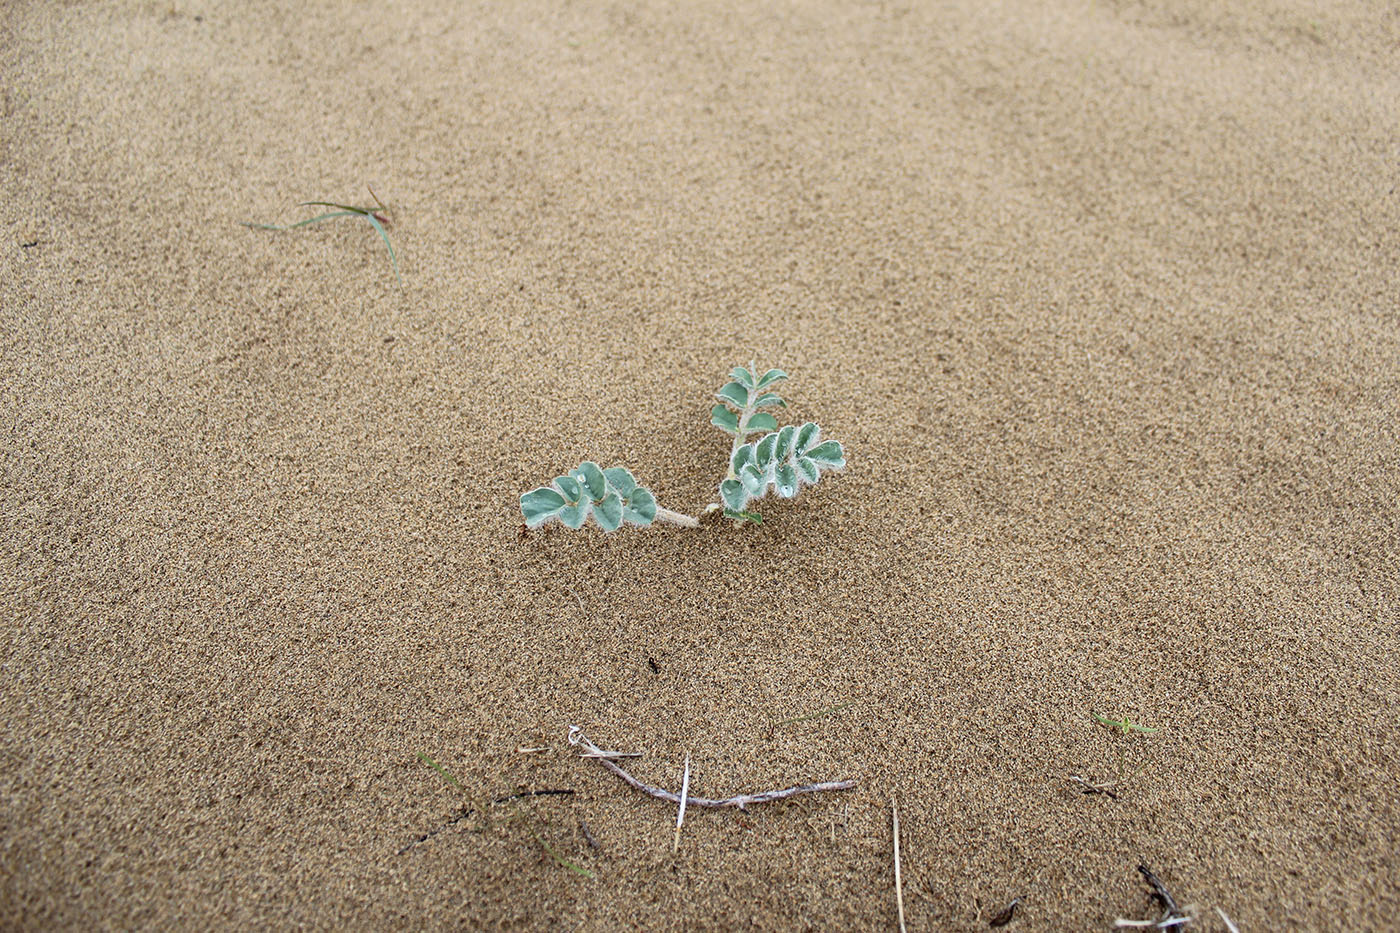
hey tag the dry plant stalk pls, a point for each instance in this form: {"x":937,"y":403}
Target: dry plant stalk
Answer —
{"x":898,"y":883}
{"x":741,"y":801}
{"x":680,"y":814}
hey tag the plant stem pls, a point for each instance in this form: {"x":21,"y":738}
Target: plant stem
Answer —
{"x":676,"y":518}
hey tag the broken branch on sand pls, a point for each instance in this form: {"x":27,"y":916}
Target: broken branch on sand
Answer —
{"x":741,"y":801}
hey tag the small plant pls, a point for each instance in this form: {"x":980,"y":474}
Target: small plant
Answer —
{"x":1125,"y":729}
{"x":376,"y":217}
{"x":782,"y":460}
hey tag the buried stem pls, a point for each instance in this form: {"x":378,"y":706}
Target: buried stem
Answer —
{"x":676,"y":518}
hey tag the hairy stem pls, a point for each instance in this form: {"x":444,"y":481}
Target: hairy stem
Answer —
{"x":676,"y":518}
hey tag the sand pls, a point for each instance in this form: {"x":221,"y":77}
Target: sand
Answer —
{"x":1100,"y":298}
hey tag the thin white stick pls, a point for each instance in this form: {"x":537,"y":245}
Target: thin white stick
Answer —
{"x":741,"y":802}
{"x":1154,"y":924}
{"x":680,"y":814}
{"x":898,"y":883}
{"x":1228,"y":922}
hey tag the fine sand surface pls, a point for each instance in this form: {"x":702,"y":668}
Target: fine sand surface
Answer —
{"x":1101,"y":298}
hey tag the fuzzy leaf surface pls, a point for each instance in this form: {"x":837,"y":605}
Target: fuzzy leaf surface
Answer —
{"x":724,"y":419}
{"x":612,"y":497}
{"x":784,"y":460}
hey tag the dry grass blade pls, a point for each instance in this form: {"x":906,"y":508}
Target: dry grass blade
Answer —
{"x":898,"y":881}
{"x":740,"y":802}
{"x":680,"y":814}
{"x":1229,"y":924}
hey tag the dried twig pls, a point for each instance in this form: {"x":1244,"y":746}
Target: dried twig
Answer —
{"x":1091,"y":788}
{"x":534,"y":793}
{"x":741,"y":801}
{"x":1160,"y":892}
{"x":1229,"y":924}
{"x":588,"y":836}
{"x":898,"y":883}
{"x":1005,"y":917}
{"x":1172,"y":915}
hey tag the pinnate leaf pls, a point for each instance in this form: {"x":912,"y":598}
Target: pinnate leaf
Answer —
{"x":781,"y":461}
{"x":611,"y":496}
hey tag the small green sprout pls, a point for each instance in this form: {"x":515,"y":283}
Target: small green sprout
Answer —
{"x":377,"y":217}
{"x":1124,"y":725}
{"x":1126,"y":729}
{"x":782,"y":460}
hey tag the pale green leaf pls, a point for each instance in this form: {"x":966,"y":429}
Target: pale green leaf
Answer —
{"x":754,"y":480}
{"x":763,"y":450}
{"x":540,"y":505}
{"x":741,"y":456}
{"x":734,"y":393}
{"x":724,"y":419}
{"x":784,"y":443}
{"x":760,"y":421}
{"x":785,"y":480}
{"x":806,"y":436}
{"x":569,"y":487}
{"x":593,"y":480}
{"x":575,"y":515}
{"x":807,"y":470}
{"x":608,"y":513}
{"x":769,"y":378}
{"x":768,"y":398}
{"x":742,"y":376}
{"x":621,"y":479}
{"x":640,"y":508}
{"x":828,"y":454}
{"x":733,"y":494}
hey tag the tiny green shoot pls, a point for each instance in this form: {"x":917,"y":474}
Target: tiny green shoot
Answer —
{"x":1124,"y":725}
{"x":1125,"y":729}
{"x":377,"y":217}
{"x":550,"y":851}
{"x":440,"y":770}
{"x":781,"y":460}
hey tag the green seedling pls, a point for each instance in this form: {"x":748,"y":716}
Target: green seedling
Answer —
{"x":1124,"y":728}
{"x":781,"y":460}
{"x":550,"y":851}
{"x":376,"y":217}
{"x":1124,"y":725}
